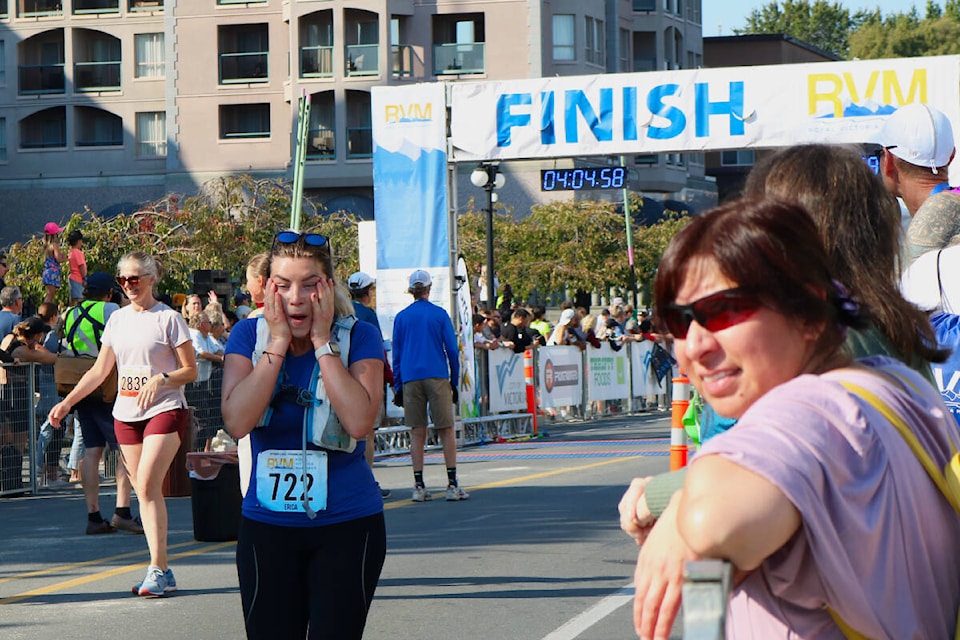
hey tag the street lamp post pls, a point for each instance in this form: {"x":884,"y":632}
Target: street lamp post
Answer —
{"x":487,"y":176}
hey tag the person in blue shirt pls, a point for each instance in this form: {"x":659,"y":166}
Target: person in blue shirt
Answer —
{"x":426,"y":370}
{"x":312,"y":538}
{"x":361,"y":288}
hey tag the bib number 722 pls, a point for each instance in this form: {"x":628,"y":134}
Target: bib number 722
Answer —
{"x":289,"y":481}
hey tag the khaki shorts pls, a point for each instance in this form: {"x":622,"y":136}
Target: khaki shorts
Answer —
{"x":433,"y":391}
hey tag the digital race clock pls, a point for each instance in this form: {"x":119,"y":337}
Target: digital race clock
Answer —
{"x":581,"y":179}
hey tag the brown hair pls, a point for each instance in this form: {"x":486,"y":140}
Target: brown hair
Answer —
{"x":859,"y":224}
{"x":770,"y":247}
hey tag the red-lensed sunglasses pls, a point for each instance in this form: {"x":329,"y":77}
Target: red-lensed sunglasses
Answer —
{"x":131,"y":280}
{"x":714,"y":312}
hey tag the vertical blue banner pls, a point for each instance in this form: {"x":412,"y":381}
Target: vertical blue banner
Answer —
{"x":410,"y":193}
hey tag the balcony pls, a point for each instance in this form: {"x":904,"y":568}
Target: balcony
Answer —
{"x":36,"y":79}
{"x":4,"y":12}
{"x":98,"y":128}
{"x":96,"y":76}
{"x":362,"y":59}
{"x":359,"y":142}
{"x":459,"y":59}
{"x":95,"y":6}
{"x":401,"y":60}
{"x":321,"y":144}
{"x":244,"y":67}
{"x":40,"y":8}
{"x":316,"y":62}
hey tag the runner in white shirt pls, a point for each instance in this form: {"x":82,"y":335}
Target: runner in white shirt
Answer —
{"x":150,"y":344}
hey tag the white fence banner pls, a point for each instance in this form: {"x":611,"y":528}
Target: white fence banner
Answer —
{"x":508,"y":388}
{"x":607,"y":377}
{"x":560,"y":376}
{"x":644,"y":380}
{"x":694,"y":109}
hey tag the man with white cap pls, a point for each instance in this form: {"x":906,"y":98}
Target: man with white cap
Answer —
{"x":426,"y":371}
{"x":918,"y":146}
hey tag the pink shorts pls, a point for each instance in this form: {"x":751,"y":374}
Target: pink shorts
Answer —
{"x":174,"y":421}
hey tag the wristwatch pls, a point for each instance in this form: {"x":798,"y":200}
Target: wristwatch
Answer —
{"x":329,"y":349}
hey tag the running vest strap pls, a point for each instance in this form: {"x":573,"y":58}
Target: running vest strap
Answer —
{"x":87,"y":320}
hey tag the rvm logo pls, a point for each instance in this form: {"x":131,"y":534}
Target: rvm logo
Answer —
{"x":506,"y":369}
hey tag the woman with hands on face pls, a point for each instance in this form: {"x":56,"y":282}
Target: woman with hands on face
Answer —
{"x":150,"y":345}
{"x":312,"y":539}
{"x":813,"y":495}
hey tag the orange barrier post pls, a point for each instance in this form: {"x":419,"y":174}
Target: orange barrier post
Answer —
{"x":531,"y":393}
{"x":678,"y":435}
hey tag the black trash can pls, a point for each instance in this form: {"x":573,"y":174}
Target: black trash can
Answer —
{"x":215,"y":495}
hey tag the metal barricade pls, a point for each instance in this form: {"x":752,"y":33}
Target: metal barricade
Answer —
{"x":205,"y":398}
{"x":18,"y":429}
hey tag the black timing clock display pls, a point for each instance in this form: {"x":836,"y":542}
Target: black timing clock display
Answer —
{"x":583,"y":179}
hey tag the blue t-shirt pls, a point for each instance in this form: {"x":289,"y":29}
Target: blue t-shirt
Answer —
{"x":424,"y":345}
{"x":365,"y":313}
{"x":352,"y":491}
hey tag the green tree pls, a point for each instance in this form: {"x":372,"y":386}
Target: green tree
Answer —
{"x":824,"y":24}
{"x":904,"y":35}
{"x":221,"y":227}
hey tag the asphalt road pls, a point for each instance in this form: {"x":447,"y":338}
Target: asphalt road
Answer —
{"x":535,"y":554}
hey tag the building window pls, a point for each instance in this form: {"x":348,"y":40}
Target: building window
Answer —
{"x":244,"y":53}
{"x":152,"y":134}
{"x":737,"y":158}
{"x":359,"y":126}
{"x":3,"y":63}
{"x":3,"y":139}
{"x":244,"y":121}
{"x":96,"y":6}
{"x":321,"y":141}
{"x":594,"y":49}
{"x":564,"y":45}
{"x":97,"y":128}
{"x":150,"y":55}
{"x":45,"y":129}
{"x":644,"y":5}
{"x":458,"y":47}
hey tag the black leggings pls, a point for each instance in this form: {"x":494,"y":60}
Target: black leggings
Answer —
{"x":321,"y":578}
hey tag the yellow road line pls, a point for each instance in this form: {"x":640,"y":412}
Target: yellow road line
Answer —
{"x":533,"y":476}
{"x":86,"y":563}
{"x":125,"y":569}
{"x":26,"y":595}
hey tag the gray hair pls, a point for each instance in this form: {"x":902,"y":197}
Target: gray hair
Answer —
{"x":149,"y":265}
{"x":9,"y":296}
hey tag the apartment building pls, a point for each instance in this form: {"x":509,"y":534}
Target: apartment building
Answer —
{"x":108,"y":103}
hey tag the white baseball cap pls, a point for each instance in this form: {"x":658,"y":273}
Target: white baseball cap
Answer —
{"x":919,"y":134}
{"x":565,"y":317}
{"x":360,"y":280}
{"x":420,"y":277}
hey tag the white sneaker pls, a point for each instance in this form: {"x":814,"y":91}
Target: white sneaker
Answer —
{"x":455,"y":493}
{"x":420,"y":494}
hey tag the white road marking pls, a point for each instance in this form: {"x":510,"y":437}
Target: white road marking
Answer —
{"x":575,"y":626}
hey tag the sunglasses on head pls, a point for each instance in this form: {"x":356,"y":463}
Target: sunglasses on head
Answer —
{"x":131,"y":280}
{"x":715,"y":312}
{"x":292,"y":237}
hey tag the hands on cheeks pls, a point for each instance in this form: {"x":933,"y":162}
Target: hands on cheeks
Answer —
{"x":322,"y":302}
{"x":658,"y":580}
{"x":274,"y":313}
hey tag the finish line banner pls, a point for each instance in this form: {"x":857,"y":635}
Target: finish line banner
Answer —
{"x":694,"y":110}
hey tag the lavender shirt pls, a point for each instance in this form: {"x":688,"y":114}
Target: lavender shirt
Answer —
{"x":878,"y":542}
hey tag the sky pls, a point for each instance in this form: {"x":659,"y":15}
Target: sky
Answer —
{"x":732,"y":14}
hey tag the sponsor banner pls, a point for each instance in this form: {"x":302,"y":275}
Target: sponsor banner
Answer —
{"x":695,"y":109}
{"x":607,"y":377}
{"x":508,"y":389}
{"x":560,"y":375}
{"x":410,"y":193}
{"x":644,"y":381}
{"x":469,"y":405}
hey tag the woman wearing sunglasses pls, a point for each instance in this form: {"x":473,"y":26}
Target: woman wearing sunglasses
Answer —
{"x":150,"y":345}
{"x":813,"y":496}
{"x":312,"y":539}
{"x":859,"y":225}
